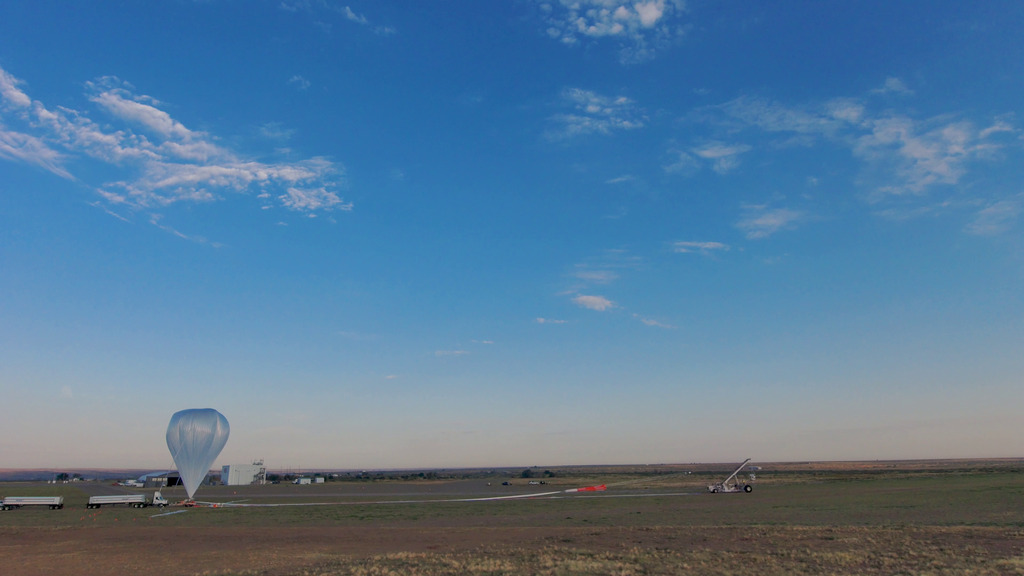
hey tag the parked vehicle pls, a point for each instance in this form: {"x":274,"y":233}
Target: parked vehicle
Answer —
{"x":12,"y":502}
{"x":725,"y":486}
{"x":133,"y":500}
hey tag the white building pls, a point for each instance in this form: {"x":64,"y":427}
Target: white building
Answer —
{"x":244,"y":474}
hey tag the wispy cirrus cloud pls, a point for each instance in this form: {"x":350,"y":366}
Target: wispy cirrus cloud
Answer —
{"x":357,"y":18}
{"x":761,"y":221}
{"x":31,"y":150}
{"x":19,"y":146}
{"x":997,"y":218}
{"x":723,"y":157}
{"x":606,"y":267}
{"x":700,"y":247}
{"x":893,"y":86}
{"x":901,"y":154}
{"x":140,"y":110}
{"x":921,"y":154}
{"x":640,"y":27}
{"x":593,"y":302}
{"x":682,"y":162}
{"x":324,"y":7}
{"x":594,"y":114}
{"x":160,"y":161}
{"x":551,"y":321}
{"x":597,"y":274}
{"x":652,"y":322}
{"x":299,"y":83}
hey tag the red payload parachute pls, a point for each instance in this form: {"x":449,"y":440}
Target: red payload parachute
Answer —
{"x":600,"y":488}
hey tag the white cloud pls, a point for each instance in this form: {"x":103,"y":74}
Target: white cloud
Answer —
{"x":294,"y":5}
{"x":683,"y":163}
{"x":594,"y":113}
{"x":155,"y":219}
{"x":997,"y":127}
{"x":357,"y":18}
{"x":847,"y":110}
{"x":160,"y":161}
{"x":11,"y":94}
{"x":921,"y":155}
{"x":996,"y":218}
{"x":325,"y":7}
{"x":550,"y":321}
{"x":774,"y":117}
{"x":31,"y":150}
{"x":893,"y":86}
{"x":310,"y":200}
{"x":275,"y":131}
{"x":639,"y":26}
{"x":597,"y":276}
{"x":599,"y":303}
{"x":723,"y":157}
{"x":120,"y":103}
{"x":449,"y":353}
{"x":652,"y":322}
{"x":761,"y":221}
{"x":299,"y":82}
{"x":702,"y":247}
{"x":604,"y":268}
{"x":901,"y":155}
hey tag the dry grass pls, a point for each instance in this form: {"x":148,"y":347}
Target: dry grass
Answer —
{"x":788,"y":553}
{"x":933,"y":521}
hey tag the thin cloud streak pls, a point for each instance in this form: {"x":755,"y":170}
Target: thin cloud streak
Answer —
{"x":760,"y":222}
{"x":161,"y":160}
{"x":551,"y":321}
{"x":997,"y":218}
{"x":594,"y":114}
{"x":902,"y":154}
{"x":702,"y":247}
{"x":598,"y":303}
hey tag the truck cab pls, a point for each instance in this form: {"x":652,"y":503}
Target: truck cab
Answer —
{"x":159,"y":500}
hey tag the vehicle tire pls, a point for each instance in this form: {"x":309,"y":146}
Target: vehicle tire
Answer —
{"x":748,"y":488}
{"x":714,"y":490}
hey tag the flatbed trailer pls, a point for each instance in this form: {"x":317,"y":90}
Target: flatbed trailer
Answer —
{"x":133,"y":500}
{"x":12,"y":502}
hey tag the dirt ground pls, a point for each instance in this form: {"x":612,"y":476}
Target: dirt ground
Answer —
{"x":959,"y":521}
{"x":297,"y":550}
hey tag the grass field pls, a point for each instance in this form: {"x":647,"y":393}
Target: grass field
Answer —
{"x":915,"y":518}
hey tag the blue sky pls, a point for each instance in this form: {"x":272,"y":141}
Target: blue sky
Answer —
{"x":513,"y":233}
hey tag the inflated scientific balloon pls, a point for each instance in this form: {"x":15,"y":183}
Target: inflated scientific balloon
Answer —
{"x":195,"y":437}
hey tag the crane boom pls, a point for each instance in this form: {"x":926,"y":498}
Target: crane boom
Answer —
{"x":733,"y":475}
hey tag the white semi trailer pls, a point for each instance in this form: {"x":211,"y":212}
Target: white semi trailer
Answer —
{"x":12,"y":502}
{"x":133,"y":500}
{"x":727,"y":486}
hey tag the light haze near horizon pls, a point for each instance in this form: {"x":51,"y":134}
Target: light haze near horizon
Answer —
{"x":465,"y":234}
